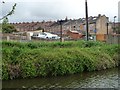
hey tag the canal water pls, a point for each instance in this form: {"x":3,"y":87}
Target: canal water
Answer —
{"x":97,"y":79}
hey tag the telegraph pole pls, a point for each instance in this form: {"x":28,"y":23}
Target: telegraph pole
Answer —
{"x":107,"y":27}
{"x":114,"y":24}
{"x":86,"y":12}
{"x":60,"y":30}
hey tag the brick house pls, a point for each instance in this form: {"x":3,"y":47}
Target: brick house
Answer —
{"x":75,"y":35}
{"x":97,"y":26}
{"x":31,"y":26}
{"x":69,"y":25}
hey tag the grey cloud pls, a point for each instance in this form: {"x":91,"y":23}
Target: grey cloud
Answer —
{"x":38,"y":10}
{"x":42,"y":10}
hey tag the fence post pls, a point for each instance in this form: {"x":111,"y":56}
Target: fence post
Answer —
{"x":28,"y":37}
{"x":8,"y":38}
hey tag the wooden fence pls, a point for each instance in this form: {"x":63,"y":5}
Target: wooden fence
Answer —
{"x":113,"y":39}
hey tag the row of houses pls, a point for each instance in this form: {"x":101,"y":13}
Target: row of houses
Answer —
{"x":98,"y":25}
{"x":32,"y":26}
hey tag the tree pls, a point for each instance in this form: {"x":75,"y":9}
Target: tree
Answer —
{"x":9,"y":13}
{"x":6,"y":27}
{"x":40,"y":28}
{"x":5,"y":21}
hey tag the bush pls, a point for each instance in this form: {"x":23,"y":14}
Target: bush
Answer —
{"x":41,"y":59}
{"x":5,"y":74}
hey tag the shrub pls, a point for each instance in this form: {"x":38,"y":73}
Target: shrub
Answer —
{"x":53,"y":59}
{"x":5,"y":74}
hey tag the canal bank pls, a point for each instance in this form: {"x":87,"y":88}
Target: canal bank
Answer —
{"x":96,"y":79}
{"x":30,"y":60}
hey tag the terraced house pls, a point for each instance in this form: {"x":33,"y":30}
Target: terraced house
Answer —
{"x":32,"y":26}
{"x":98,"y":26}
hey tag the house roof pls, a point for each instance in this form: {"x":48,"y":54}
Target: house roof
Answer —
{"x":91,"y":20}
{"x":29,"y":25}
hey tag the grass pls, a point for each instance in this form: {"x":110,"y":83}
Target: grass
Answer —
{"x":36,"y":59}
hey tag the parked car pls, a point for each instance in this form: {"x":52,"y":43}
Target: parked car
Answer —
{"x":91,"y":38}
{"x":45,"y":35}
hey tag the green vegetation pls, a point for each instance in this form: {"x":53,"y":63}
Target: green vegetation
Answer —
{"x":36,"y":59}
{"x":39,"y":28}
{"x":0,"y":27}
{"x":6,"y":27}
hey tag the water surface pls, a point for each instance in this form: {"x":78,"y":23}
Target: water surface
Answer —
{"x":97,"y":79}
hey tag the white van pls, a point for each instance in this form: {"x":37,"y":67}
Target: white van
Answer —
{"x":45,"y":35}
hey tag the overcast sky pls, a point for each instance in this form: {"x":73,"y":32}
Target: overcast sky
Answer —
{"x":38,"y":10}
